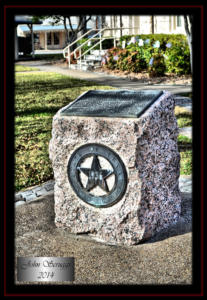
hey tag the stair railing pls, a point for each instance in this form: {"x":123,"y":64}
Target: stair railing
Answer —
{"x":86,"y":42}
{"x":100,"y":40}
{"x":69,"y":53}
{"x":67,"y":48}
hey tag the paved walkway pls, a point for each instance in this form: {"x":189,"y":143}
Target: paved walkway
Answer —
{"x":104,"y":79}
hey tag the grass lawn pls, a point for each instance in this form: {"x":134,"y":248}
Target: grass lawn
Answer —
{"x":20,"y":68}
{"x":185,"y":149}
{"x":186,"y":162}
{"x":184,"y":120}
{"x":184,"y":117}
{"x":37,"y":98}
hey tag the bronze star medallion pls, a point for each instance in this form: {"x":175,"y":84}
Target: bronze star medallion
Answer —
{"x":97,"y":175}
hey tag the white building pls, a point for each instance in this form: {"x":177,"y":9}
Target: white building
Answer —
{"x":52,"y":37}
{"x":143,"y":24}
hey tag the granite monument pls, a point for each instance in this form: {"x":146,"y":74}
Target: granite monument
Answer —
{"x":116,"y":165}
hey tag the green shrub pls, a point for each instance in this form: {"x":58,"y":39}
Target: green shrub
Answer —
{"x":122,"y":62}
{"x":173,"y":47}
{"x":157,"y":65}
{"x":178,"y":58}
{"x":84,"y":47}
{"x":107,"y":44}
{"x":170,"y":53}
{"x":136,"y":62}
{"x":125,"y":60}
{"x":110,"y":58}
{"x":147,"y":53}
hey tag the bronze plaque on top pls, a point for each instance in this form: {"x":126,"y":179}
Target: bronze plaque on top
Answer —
{"x":112,"y":103}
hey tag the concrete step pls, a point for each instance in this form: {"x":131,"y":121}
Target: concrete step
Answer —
{"x":93,"y":57}
{"x":98,"y":52}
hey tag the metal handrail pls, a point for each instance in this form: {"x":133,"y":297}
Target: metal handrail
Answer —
{"x":78,"y":39}
{"x":74,"y":42}
{"x":86,"y":42}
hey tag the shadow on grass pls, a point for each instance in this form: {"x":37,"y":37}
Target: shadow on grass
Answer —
{"x":53,"y":85}
{"x":34,"y":135}
{"x":187,"y":115}
{"x":187,"y":94}
{"x":37,"y":110}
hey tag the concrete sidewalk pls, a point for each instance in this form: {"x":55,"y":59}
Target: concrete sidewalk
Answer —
{"x":164,"y":259}
{"x":104,"y":79}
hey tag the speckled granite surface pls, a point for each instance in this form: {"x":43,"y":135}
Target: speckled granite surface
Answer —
{"x":148,"y":148}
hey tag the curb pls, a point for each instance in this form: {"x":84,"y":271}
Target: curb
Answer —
{"x":34,"y":193}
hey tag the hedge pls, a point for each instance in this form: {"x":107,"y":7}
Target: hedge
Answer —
{"x":156,"y":53}
{"x":106,"y":44}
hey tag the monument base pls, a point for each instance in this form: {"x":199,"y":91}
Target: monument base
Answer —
{"x":148,"y":149}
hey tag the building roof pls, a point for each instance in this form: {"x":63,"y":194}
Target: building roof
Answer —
{"x":23,"y":29}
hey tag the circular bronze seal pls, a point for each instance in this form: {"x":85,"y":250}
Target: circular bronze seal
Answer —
{"x":97,"y":175}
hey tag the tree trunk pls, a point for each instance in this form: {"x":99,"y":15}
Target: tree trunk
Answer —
{"x":67,"y":32}
{"x":73,"y":34}
{"x":32,"y":38}
{"x":188,"y":22}
{"x":83,"y":25}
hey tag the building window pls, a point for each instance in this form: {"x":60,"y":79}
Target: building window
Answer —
{"x":49,"y":38}
{"x":56,"y":38}
{"x":179,"y":23}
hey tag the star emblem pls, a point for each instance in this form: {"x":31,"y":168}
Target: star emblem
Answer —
{"x":96,"y":175}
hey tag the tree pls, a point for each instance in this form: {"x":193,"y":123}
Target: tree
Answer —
{"x":71,"y":33}
{"x":188,"y":23}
